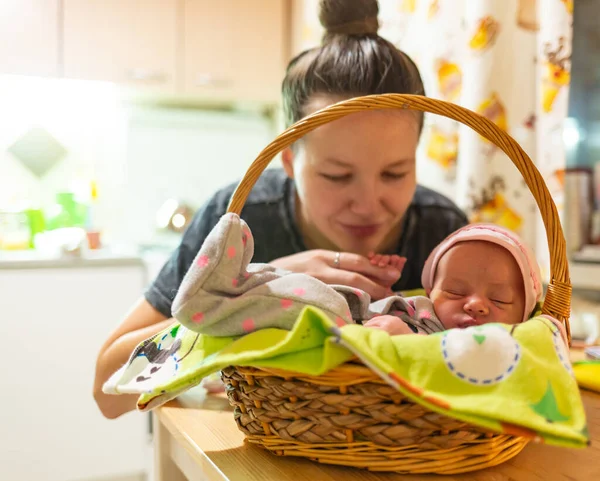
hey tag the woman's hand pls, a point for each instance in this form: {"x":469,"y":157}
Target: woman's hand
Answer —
{"x":351,"y":270}
{"x":393,"y":325}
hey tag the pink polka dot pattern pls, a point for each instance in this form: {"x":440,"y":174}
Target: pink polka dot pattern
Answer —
{"x":286,"y":303}
{"x":299,"y":291}
{"x":358,"y":292}
{"x":234,"y":282}
{"x":425,"y":315}
{"x":231,"y":252}
{"x":248,"y":325}
{"x":198,"y":318}
{"x":244,"y":239}
{"x":202,"y":261}
{"x":340,"y":322}
{"x":246,"y":275}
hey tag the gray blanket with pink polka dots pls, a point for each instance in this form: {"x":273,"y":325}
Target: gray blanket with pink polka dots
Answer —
{"x":224,"y":294}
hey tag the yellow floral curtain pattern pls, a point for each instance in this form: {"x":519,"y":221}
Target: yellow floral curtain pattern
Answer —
{"x":505,"y":59}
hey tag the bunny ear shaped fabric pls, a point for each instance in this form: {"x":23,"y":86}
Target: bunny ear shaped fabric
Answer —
{"x":222,"y":294}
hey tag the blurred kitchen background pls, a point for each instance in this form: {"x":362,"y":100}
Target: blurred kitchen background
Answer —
{"x":119,"y":118}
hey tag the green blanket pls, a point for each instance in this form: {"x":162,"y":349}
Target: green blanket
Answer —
{"x":512,"y":379}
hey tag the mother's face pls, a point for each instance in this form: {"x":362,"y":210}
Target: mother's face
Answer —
{"x":355,"y":179}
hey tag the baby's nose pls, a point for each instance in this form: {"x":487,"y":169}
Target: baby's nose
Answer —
{"x":476,"y":307}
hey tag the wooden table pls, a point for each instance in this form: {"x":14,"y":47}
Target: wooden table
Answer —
{"x":205,"y":445}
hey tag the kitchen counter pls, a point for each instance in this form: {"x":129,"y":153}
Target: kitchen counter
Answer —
{"x":35,"y":260}
{"x":205,"y":444}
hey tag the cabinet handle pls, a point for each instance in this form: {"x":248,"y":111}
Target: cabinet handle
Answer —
{"x":209,"y":80}
{"x":147,"y":75}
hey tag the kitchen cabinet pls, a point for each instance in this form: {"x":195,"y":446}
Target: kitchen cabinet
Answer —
{"x":54,"y":320}
{"x":306,"y":30}
{"x":235,"y":50}
{"x":229,"y":51}
{"x":29,"y":33}
{"x":132,"y":43}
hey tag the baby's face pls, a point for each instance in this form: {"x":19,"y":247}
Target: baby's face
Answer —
{"x":475,"y":283}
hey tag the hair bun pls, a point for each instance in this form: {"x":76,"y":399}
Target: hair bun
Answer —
{"x":349,"y":17}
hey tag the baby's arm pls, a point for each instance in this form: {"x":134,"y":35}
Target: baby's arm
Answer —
{"x":393,"y":325}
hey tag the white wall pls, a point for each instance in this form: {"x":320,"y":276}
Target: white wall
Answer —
{"x":139,"y":156}
{"x":85,"y":117}
{"x":185,"y":155}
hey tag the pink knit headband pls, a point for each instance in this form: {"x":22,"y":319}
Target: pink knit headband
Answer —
{"x":502,"y":237}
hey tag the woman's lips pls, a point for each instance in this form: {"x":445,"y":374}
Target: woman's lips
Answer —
{"x":361,"y":231}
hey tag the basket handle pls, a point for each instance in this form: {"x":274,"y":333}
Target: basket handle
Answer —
{"x":557,"y":302}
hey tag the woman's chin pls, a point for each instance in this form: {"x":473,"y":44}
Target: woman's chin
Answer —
{"x":358,"y":246}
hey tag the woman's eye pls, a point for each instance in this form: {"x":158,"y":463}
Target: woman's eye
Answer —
{"x":394,"y":175}
{"x":337,"y":178}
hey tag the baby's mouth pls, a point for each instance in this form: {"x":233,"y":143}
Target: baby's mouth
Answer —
{"x":467,"y":322}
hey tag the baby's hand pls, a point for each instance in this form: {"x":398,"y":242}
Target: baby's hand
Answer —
{"x":391,"y":324}
{"x":385,"y":260}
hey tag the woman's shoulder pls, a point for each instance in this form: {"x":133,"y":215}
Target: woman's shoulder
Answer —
{"x":267,"y":211}
{"x":430,"y":203}
{"x":270,"y":188}
{"x":268,"y":199}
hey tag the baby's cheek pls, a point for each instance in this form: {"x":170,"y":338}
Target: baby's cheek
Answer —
{"x":446,"y":311}
{"x":511,"y":316}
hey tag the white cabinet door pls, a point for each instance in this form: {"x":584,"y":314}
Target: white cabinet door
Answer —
{"x":53,"y":322}
{"x":132,"y":42}
{"x":29,"y":37}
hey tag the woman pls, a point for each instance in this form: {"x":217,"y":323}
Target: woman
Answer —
{"x":346,"y":190}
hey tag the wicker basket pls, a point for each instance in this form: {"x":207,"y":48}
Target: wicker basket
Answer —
{"x":349,"y":416}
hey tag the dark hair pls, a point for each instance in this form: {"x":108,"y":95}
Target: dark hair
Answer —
{"x":352,"y":61}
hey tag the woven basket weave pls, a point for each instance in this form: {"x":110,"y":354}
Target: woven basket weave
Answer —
{"x":350,"y":416}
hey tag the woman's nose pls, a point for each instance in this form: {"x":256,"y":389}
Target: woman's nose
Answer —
{"x":475,"y":306}
{"x":365,"y":200}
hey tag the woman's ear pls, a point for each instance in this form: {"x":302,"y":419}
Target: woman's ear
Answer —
{"x":287,"y":160}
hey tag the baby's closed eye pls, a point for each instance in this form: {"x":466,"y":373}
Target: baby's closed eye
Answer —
{"x":504,"y":298}
{"x":454,"y":293}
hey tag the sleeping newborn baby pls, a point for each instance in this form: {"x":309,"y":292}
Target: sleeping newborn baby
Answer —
{"x":479,"y":274}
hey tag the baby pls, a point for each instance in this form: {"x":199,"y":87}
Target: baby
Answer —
{"x":479,"y":274}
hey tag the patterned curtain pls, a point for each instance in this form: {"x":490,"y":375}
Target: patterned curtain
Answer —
{"x":505,"y":59}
